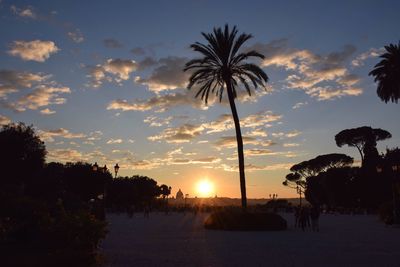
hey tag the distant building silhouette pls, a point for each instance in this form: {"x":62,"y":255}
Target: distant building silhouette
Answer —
{"x":179,"y":194}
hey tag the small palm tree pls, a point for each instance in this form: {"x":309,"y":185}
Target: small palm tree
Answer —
{"x":222,"y":68}
{"x":387,"y":74}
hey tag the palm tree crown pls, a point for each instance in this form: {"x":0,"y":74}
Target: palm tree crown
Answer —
{"x":222,"y":63}
{"x":387,"y":74}
{"x":223,"y":67}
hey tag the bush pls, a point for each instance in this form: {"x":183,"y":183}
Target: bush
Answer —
{"x":32,"y":234}
{"x":241,"y":221}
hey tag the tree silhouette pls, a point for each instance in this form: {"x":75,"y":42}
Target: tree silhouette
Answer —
{"x":387,"y":74}
{"x":364,"y":139}
{"x":165,"y":190}
{"x":303,"y":173}
{"x":221,"y":68}
{"x":22,"y":154}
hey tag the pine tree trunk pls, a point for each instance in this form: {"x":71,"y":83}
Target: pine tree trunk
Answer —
{"x":239,"y":140}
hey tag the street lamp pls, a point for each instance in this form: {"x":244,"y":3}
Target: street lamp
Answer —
{"x":116,"y":169}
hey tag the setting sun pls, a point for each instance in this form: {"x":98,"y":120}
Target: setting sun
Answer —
{"x":205,"y":188}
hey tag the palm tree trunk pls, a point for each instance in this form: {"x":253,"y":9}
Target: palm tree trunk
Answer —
{"x":239,"y":140}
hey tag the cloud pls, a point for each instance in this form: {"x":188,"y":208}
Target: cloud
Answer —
{"x":259,"y":119}
{"x":66,"y":155}
{"x":114,"y":141}
{"x":231,"y":142}
{"x":182,"y":134}
{"x":205,"y":160}
{"x":41,"y":96}
{"x":225,"y":122}
{"x":5,"y":90}
{"x":168,"y":75}
{"x":15,"y":79}
{"x":142,"y":165}
{"x":36,"y":50}
{"x":252,"y":167}
{"x":282,"y":135}
{"x":47,"y":111}
{"x":320,"y":76}
{"x":371,"y":53}
{"x":291,"y":145}
{"x":49,"y":135}
{"x":160,"y":103}
{"x":76,"y":36}
{"x":95,"y":136}
{"x":27,"y":12}
{"x":4,"y":120}
{"x":117,"y":70}
{"x":299,"y":105}
{"x":154,"y":121}
{"x":293,"y":134}
{"x":257,"y":152}
{"x":112,"y":43}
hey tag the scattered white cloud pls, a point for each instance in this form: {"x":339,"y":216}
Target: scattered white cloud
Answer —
{"x":26,"y":12}
{"x":117,"y":70}
{"x":182,"y":134}
{"x":299,"y":105}
{"x":36,"y":50}
{"x":320,"y":76}
{"x":231,"y":142}
{"x":47,"y":111}
{"x":371,"y":53}
{"x":257,"y":133}
{"x":282,"y":135}
{"x":154,"y":121}
{"x":76,"y":36}
{"x":114,"y":141}
{"x":65,"y":155}
{"x":18,"y":80}
{"x":95,"y":136}
{"x":159,"y":103}
{"x":291,"y":145}
{"x":252,"y":167}
{"x":168,"y":75}
{"x":49,"y":135}
{"x":41,"y":96}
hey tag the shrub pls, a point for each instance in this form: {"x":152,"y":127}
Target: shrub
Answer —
{"x":34,"y":235}
{"x":240,"y":221}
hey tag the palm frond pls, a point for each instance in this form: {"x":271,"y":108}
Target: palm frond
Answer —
{"x":222,"y":63}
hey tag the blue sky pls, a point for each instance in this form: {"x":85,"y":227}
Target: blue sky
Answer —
{"x":103,"y":82}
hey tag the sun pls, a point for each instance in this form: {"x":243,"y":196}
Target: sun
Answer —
{"x":205,"y":188}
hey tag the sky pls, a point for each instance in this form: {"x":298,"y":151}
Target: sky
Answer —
{"x":102,"y":82}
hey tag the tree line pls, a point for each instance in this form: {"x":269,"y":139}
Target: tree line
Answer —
{"x":333,"y":181}
{"x":58,"y":209}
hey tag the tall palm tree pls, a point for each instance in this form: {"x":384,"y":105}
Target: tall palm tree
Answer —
{"x":222,"y":68}
{"x":387,"y":74}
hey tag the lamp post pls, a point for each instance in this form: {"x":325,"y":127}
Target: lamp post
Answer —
{"x":116,"y":169}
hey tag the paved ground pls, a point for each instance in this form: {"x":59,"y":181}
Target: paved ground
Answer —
{"x":180,"y":240}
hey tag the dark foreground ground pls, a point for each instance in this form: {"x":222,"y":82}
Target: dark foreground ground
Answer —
{"x":181,"y":240}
